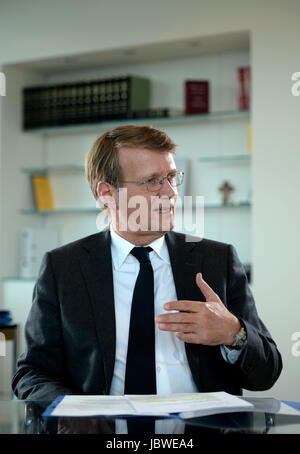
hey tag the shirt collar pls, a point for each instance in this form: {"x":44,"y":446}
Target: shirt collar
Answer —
{"x":121,"y":248}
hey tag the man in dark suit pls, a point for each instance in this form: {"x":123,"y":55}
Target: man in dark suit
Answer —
{"x":208,"y":336}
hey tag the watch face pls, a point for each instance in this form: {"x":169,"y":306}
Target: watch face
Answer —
{"x":241,"y":339}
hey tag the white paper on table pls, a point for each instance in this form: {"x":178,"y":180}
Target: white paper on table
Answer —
{"x":73,"y":405}
{"x":185,"y":405}
{"x":190,"y":405}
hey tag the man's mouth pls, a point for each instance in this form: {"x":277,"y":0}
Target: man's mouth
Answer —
{"x":164,"y":210}
{"x":166,"y":206}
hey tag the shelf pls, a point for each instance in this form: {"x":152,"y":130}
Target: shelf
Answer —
{"x":97,"y":210}
{"x":227,"y":207}
{"x":18,"y":278}
{"x":57,"y":169}
{"x":218,"y":206}
{"x":80,"y":169}
{"x":61,"y":211}
{"x":178,"y":119}
{"x":229,"y":158}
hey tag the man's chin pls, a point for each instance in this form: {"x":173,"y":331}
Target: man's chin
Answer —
{"x":162,"y":230}
{"x":164,"y":223}
{"x":157,"y":223}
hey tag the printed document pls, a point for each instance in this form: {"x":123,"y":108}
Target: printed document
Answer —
{"x":185,"y":405}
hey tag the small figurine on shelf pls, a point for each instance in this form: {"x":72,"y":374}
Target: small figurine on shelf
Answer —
{"x":226,"y":188}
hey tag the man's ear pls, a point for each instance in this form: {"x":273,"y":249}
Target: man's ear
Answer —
{"x":103,"y":189}
{"x":105,"y":193}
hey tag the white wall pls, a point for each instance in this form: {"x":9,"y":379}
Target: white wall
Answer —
{"x":47,"y":29}
{"x":276,"y":186}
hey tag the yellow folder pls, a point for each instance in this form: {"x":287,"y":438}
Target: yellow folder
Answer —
{"x":42,"y":192}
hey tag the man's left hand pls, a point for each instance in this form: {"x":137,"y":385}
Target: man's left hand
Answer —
{"x":198,"y":322}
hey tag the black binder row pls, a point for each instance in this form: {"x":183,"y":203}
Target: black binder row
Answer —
{"x":85,"y":102}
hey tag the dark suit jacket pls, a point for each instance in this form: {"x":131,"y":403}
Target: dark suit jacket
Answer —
{"x":70,"y":331}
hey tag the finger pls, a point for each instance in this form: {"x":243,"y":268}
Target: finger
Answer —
{"x":177,"y":327}
{"x":207,"y":291}
{"x":177,"y":317}
{"x":183,"y":305}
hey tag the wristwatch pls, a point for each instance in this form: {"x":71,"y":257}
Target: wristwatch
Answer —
{"x":240,"y":339}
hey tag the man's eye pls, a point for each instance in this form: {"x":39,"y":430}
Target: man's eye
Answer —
{"x":153,"y":181}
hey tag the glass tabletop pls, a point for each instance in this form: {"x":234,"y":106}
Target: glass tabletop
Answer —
{"x":26,"y":417}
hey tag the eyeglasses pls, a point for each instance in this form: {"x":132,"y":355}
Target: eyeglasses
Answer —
{"x":155,"y":184}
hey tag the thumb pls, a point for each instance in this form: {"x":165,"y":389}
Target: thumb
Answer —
{"x":207,"y":291}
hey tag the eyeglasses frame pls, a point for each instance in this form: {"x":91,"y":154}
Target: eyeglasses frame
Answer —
{"x":161,"y":181}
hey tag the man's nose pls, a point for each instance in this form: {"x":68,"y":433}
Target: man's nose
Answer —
{"x":168,"y":189}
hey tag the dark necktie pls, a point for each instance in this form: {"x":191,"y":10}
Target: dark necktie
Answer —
{"x":140,"y":376}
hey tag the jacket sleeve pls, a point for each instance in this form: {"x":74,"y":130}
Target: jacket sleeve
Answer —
{"x":260,"y":363}
{"x":41,"y":370}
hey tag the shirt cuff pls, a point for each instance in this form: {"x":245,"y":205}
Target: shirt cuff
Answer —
{"x":230,"y":356}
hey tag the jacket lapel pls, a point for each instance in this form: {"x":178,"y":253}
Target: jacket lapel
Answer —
{"x":96,"y":266}
{"x":185,"y":266}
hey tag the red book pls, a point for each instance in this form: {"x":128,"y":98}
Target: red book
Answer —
{"x":196,"y":96}
{"x":244,"y":87}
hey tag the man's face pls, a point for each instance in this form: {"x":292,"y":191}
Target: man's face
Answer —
{"x":137,"y":209}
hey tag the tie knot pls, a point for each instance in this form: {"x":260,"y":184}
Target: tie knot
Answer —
{"x":141,"y":253}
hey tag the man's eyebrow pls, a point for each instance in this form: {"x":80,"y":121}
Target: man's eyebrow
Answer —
{"x":152,"y":175}
{"x":157,"y":174}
